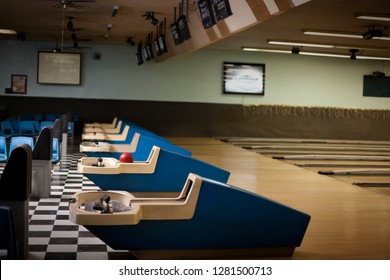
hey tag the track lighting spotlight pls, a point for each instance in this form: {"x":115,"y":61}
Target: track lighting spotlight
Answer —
{"x":115,"y":9}
{"x":69,"y":25}
{"x":130,"y":41}
{"x":374,"y":31}
{"x":378,"y":74}
{"x":21,"y":36}
{"x":150,"y":16}
{"x":353,"y":53}
{"x":295,"y":50}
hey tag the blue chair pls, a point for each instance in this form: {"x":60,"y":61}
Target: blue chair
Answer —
{"x":37,"y":117}
{"x":56,"y":151}
{"x":15,"y":123}
{"x":51,"y":117}
{"x":3,"y":149}
{"x":27,"y":128}
{"x":37,"y":127}
{"x":8,"y":243}
{"x":19,"y":140}
{"x":25,"y":118}
{"x":46,"y":123}
{"x":6,"y":129}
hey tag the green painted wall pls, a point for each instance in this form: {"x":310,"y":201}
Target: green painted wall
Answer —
{"x":197,"y":77}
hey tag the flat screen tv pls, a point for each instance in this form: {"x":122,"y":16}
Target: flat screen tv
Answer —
{"x":184,"y":30}
{"x":138,"y":54}
{"x":375,"y":86}
{"x":176,"y":33}
{"x":222,"y":9}
{"x":243,"y":78}
{"x":161,"y":43}
{"x":206,"y":13}
{"x":59,"y":68}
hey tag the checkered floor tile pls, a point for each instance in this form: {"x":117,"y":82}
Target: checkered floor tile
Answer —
{"x":51,"y":235}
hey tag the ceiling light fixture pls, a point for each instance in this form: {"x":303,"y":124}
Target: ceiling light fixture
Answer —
{"x":8,"y":31}
{"x":344,"y":34}
{"x":253,"y":49}
{"x":130,"y":41}
{"x":115,"y":9}
{"x":301,"y":44}
{"x":332,"y":34}
{"x":353,"y":53}
{"x":374,"y":32}
{"x":295,"y":50}
{"x":150,"y":16}
{"x":374,"y":16}
{"x":250,"y":49}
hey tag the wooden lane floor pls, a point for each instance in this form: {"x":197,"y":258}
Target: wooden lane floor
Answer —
{"x":347,"y":221}
{"x":330,"y":157}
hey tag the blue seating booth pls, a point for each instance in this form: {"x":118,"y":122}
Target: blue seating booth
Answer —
{"x":15,"y":189}
{"x":8,"y":242}
{"x":209,"y":219}
{"x":139,"y":145}
{"x":42,"y":164}
{"x":163,"y":171}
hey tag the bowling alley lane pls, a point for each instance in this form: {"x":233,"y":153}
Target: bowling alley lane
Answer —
{"x":348,"y":221}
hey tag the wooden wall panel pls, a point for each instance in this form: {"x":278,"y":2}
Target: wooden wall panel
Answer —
{"x":210,"y":119}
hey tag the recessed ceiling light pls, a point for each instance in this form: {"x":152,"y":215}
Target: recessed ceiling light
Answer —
{"x":7,"y":31}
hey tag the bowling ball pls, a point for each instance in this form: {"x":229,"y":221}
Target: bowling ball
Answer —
{"x":126,"y":158}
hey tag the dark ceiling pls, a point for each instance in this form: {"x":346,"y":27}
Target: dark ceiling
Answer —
{"x":47,"y":20}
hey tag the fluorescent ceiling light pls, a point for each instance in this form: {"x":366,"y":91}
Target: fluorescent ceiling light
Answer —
{"x":301,"y":44}
{"x":7,"y":31}
{"x":332,"y":34}
{"x":372,"y":57}
{"x":248,"y":49}
{"x":340,"y":34}
{"x":380,"y":17}
{"x":253,"y":49}
{"x":325,"y":54}
{"x":381,"y":38}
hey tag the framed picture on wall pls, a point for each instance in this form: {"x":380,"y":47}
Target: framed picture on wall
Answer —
{"x":243,"y":78}
{"x":19,"y":84}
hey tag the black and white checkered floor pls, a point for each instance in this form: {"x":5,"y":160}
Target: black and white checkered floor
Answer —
{"x":51,"y":234}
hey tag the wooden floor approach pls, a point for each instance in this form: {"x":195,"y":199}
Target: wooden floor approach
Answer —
{"x":347,"y":221}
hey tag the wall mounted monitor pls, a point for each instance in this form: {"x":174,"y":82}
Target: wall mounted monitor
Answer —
{"x":148,"y":53}
{"x":184,"y":30}
{"x":59,"y":68}
{"x":375,"y":86}
{"x":162,"y":44}
{"x":138,"y":54}
{"x":222,"y":9}
{"x":157,"y":47}
{"x":206,"y":13}
{"x":243,"y":78}
{"x":175,"y":30}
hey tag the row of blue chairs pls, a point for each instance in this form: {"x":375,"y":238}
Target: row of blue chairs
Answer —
{"x":10,"y":128}
{"x":18,"y":140}
{"x":39,"y":117}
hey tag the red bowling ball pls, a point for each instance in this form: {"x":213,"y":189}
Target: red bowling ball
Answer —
{"x":126,"y":158}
